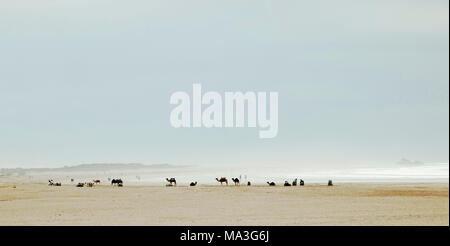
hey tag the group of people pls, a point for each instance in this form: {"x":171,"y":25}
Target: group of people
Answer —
{"x":294,"y":183}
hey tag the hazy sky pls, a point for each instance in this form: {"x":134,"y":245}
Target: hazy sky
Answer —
{"x":359,"y":82}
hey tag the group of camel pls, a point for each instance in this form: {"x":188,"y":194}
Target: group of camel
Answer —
{"x":88,"y":184}
{"x":294,"y":183}
{"x":52,"y":183}
{"x":222,"y":180}
{"x":173,"y":181}
{"x":117,"y":182}
{"x":236,"y":181}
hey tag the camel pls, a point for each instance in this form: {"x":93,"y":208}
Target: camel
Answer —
{"x":294,"y":183}
{"x":80,"y":185}
{"x":286,"y":183}
{"x":222,"y":180}
{"x":171,"y":180}
{"x":302,"y":183}
{"x":248,"y":183}
{"x":51,"y":183}
{"x":271,"y":183}
{"x":330,"y":182}
{"x":236,"y":181}
{"x":90,"y":184}
{"x":117,"y":182}
{"x":96,"y":181}
{"x":193,"y":183}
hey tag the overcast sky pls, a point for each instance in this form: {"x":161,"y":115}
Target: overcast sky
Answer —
{"x":359,"y":82}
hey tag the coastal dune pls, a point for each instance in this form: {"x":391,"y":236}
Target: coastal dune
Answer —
{"x":32,"y":203}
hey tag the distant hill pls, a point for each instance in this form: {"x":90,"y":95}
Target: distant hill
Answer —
{"x":87,"y":167}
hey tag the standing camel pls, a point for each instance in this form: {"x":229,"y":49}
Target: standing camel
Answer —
{"x":117,"y":182}
{"x":172,"y":180}
{"x":236,"y":181}
{"x":222,"y":180}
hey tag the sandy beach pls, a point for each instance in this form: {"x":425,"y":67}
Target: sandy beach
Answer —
{"x":314,"y":204}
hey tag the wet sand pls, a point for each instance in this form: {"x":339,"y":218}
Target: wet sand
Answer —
{"x":313,"y":204}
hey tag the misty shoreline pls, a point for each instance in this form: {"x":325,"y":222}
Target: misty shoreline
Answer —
{"x":141,"y":174}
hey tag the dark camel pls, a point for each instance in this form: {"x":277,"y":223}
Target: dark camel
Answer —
{"x":271,"y":183}
{"x":172,"y":180}
{"x":222,"y":180}
{"x":330,"y":182}
{"x":302,"y":183}
{"x":51,"y":183}
{"x":286,"y":183}
{"x":117,"y":182}
{"x":193,"y":183}
{"x":236,"y":181}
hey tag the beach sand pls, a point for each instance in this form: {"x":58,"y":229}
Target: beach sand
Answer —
{"x":313,"y":204}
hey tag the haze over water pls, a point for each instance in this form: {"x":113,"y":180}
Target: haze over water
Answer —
{"x":432,"y":172}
